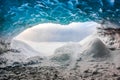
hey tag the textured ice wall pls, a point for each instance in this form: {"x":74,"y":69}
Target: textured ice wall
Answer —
{"x":17,"y":15}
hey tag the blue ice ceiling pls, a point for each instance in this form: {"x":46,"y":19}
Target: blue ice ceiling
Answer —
{"x":17,"y":15}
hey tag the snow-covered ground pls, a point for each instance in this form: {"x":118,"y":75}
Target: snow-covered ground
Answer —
{"x":44,"y":39}
{"x":88,"y":49}
{"x":88,"y":59}
{"x":31,"y":49}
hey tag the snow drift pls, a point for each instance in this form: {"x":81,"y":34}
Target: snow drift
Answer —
{"x":67,"y":53}
{"x":31,"y":49}
{"x":25,"y":49}
{"x":95,"y":49}
{"x":91,"y":48}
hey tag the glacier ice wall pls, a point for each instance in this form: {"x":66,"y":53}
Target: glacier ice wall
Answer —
{"x":17,"y":15}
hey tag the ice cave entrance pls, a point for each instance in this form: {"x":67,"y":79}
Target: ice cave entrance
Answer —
{"x":44,"y":39}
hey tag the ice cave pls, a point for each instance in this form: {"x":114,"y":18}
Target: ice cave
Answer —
{"x":59,"y":39}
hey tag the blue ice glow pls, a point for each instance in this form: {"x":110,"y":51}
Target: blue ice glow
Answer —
{"x":112,"y":2}
{"x":17,"y":15}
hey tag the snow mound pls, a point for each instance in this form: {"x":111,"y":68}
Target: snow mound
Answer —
{"x":66,"y":53}
{"x":87,"y":39}
{"x":92,"y":50}
{"x":31,"y":49}
{"x":95,"y":49}
{"x":25,"y":49}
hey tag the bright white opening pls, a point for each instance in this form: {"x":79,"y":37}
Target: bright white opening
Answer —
{"x":50,"y":32}
{"x":44,"y":39}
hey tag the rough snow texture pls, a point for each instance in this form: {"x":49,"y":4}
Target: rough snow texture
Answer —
{"x":95,"y":49}
{"x":89,"y":59}
{"x":67,"y":54}
{"x":8,"y":59}
{"x":89,"y":71}
{"x":110,"y":36}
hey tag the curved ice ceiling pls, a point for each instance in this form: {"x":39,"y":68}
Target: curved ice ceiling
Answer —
{"x":17,"y":15}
